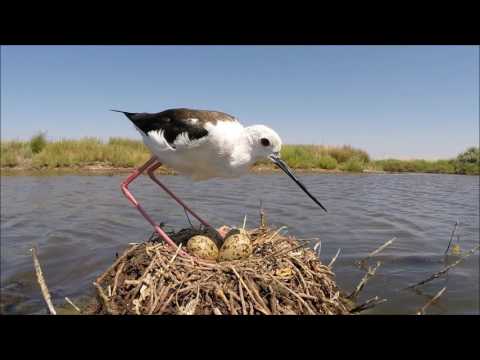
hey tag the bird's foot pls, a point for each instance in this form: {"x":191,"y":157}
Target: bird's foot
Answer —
{"x":223,"y":230}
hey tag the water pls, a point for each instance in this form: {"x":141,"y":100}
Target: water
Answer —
{"x":80,"y":222}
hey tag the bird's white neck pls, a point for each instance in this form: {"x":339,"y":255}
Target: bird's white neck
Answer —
{"x":242,"y":156}
{"x":246,"y":151}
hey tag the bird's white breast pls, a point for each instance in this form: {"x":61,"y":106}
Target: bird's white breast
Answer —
{"x":224,"y":152}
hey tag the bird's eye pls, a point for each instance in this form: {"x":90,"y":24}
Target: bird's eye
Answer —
{"x":265,"y":142}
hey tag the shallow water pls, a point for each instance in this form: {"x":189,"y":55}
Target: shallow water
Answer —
{"x":80,"y":222}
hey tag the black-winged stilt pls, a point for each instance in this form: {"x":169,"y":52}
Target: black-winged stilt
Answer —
{"x":202,"y":144}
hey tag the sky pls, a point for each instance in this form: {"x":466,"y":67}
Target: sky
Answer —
{"x":392,"y":101}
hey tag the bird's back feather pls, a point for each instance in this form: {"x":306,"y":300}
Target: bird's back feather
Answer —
{"x":198,"y":143}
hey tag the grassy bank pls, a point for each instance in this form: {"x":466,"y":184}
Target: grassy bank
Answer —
{"x":118,"y":153}
{"x":39,"y":154}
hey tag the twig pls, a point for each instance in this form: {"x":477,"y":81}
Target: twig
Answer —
{"x":263,"y":223}
{"x":244,"y":222}
{"x":285,"y":251}
{"x":445,"y":269}
{"x":334,"y":258}
{"x":370,"y":303}
{"x":42,"y":283}
{"x":299,"y":273}
{"x":428,"y":297}
{"x":165,"y":304}
{"x":103,"y":297}
{"x":174,"y":256}
{"x":279,"y":283}
{"x":277,"y":232}
{"x":273,"y":300}
{"x":254,"y":290}
{"x":375,"y":252}
{"x":74,"y":306}
{"x":115,"y":282}
{"x":131,"y":282}
{"x":217,"y":311}
{"x":190,"y":308}
{"x":318,"y":245}
{"x":451,"y":236}
{"x":234,"y":297}
{"x":219,"y":292}
{"x":261,"y":308}
{"x":149,"y":268}
{"x":244,"y":308}
{"x":370,"y":272}
{"x":114,"y":265}
{"x":422,"y":310}
{"x":158,"y":295}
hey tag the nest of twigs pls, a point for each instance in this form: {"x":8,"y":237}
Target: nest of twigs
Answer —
{"x":282,"y":276}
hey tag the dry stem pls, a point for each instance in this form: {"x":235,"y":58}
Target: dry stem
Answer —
{"x":370,"y":272}
{"x":42,"y":283}
{"x":422,"y":310}
{"x":445,"y":269}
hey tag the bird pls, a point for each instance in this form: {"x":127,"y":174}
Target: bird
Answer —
{"x":202,"y":144}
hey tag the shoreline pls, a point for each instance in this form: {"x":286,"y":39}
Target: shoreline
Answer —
{"x":111,"y":171}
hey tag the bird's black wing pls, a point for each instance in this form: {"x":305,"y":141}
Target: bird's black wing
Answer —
{"x":172,"y":122}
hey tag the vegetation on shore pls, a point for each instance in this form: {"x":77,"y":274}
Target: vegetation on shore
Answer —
{"x":38,"y":153}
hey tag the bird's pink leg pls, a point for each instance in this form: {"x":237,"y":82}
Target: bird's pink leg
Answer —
{"x":150,"y":172}
{"x":135,"y":203}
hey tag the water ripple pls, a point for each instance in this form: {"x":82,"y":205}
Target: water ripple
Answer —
{"x":79,"y":222}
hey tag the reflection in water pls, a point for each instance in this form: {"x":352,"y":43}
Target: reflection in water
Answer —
{"x":80,"y":222}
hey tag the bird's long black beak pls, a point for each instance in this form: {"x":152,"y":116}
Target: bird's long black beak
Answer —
{"x":282,"y":165}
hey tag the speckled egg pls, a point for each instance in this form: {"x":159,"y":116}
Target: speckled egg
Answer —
{"x":202,"y":247}
{"x":235,"y":231}
{"x":237,"y":246}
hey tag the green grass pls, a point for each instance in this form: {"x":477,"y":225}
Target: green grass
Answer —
{"x":318,"y":156}
{"x":15,"y":153}
{"x":354,"y":164}
{"x":91,"y":151}
{"x":468,"y":162}
{"x":38,"y":153}
{"x":327,"y":162}
{"x":468,"y":169}
{"x":38,"y":143}
{"x":452,"y":166}
{"x":72,"y":153}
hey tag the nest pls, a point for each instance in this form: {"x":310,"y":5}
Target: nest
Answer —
{"x":282,"y":276}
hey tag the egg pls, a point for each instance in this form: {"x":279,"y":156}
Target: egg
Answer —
{"x":237,"y":245}
{"x":234,"y":231}
{"x":244,"y":232}
{"x":202,"y":247}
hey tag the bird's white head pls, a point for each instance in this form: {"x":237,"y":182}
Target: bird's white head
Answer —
{"x":266,"y":144}
{"x":264,"y":141}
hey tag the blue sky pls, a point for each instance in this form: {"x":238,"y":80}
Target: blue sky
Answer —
{"x":398,"y":101}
